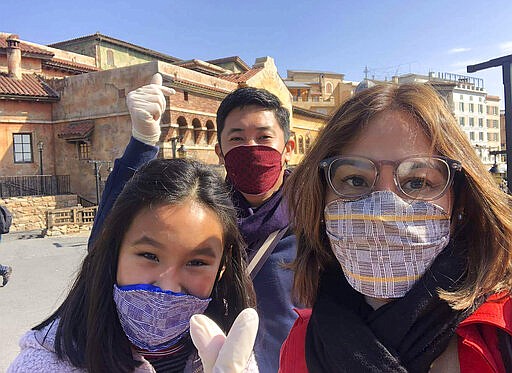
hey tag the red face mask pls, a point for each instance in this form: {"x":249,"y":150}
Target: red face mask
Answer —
{"x":253,"y":169}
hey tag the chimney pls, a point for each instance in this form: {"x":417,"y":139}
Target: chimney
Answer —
{"x":14,"y":57}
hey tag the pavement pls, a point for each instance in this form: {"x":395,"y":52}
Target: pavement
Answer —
{"x":43,"y":271}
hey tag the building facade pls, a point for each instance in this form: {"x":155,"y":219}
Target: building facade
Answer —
{"x":77,"y":110}
{"x":318,"y":91}
{"x":476,"y":112}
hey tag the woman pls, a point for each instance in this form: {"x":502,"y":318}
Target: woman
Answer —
{"x":170,"y":248}
{"x":404,"y":244}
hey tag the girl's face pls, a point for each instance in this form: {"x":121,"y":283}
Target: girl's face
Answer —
{"x":175,"y":247}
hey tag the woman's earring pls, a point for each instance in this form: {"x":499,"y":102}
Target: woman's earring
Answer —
{"x":460,"y":215}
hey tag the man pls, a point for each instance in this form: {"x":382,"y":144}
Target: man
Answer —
{"x":5,"y":225}
{"x":254,"y":145}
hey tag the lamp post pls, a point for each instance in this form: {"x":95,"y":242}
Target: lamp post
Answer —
{"x":174,"y":142}
{"x":40,"y":146}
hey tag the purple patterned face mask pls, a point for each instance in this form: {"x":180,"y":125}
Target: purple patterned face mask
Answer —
{"x":154,"y":319}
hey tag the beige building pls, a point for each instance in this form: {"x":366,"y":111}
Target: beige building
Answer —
{"x":476,"y":112}
{"x":319,"y":91}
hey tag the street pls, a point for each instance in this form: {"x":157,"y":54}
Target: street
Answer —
{"x":43,"y":271}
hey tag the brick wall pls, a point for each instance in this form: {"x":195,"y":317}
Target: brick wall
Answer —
{"x":29,"y":213}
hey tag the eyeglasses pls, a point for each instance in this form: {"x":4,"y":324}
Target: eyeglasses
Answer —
{"x":416,"y":177}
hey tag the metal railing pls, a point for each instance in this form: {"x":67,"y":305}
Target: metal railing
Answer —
{"x":34,"y":185}
{"x":85,"y":202}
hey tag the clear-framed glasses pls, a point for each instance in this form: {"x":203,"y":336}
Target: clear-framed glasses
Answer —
{"x":417,"y":177}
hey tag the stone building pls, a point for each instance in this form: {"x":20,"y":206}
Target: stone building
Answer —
{"x":27,"y":100}
{"x":76,"y":106}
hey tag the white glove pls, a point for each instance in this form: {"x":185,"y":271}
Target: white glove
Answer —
{"x":146,"y":105}
{"x":221,"y":354}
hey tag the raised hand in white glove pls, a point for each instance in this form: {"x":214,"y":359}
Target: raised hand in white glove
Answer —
{"x":146,"y":105}
{"x":221,"y":354}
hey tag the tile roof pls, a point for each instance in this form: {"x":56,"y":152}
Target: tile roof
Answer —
{"x":309,"y":113}
{"x":199,"y":85}
{"x":29,"y":87}
{"x":77,"y":130}
{"x":25,"y":48}
{"x":241,"y":77}
{"x":69,"y":65}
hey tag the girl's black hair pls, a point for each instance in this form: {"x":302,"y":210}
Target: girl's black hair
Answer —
{"x":89,"y":334}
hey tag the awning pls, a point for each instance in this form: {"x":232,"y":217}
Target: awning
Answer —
{"x":77,"y":131}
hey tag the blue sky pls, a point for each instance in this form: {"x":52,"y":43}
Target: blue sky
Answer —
{"x":390,"y":37}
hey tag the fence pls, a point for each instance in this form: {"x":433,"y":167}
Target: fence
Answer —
{"x":71,"y":216}
{"x":36,"y":185}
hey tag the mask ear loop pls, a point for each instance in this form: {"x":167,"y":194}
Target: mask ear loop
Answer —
{"x":218,"y":278}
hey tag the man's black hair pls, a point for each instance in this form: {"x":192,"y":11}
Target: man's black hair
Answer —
{"x":253,"y":96}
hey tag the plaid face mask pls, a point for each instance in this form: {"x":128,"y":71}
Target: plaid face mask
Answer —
{"x":383,"y":243}
{"x":154,"y":319}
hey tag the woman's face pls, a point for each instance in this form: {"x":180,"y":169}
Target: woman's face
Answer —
{"x":174,"y":247}
{"x":391,"y":135}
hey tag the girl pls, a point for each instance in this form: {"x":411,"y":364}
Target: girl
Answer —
{"x":170,"y":248}
{"x":404,"y":248}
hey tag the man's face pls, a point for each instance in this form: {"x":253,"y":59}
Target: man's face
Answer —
{"x":254,"y":125}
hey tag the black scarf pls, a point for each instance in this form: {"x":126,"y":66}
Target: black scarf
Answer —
{"x":406,"y":335}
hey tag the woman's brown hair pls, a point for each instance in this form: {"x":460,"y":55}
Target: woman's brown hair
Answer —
{"x":481,"y":217}
{"x":89,"y":333}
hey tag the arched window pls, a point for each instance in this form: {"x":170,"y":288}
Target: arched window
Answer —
{"x":308,"y":143}
{"x":197,"y":130}
{"x":210,"y":132}
{"x":328,"y":88}
{"x":301,"y":145}
{"x":294,"y":137}
{"x":182,"y":123}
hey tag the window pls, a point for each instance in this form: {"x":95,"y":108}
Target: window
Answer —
{"x":84,"y":150}
{"x":461,"y":106}
{"x":470,"y":98}
{"x":328,"y":88}
{"x":461,"y":121}
{"x":481,"y":136}
{"x":308,"y":143}
{"x":461,"y":97}
{"x":471,"y":108}
{"x":480,"y":122}
{"x":472,"y":121}
{"x":471,"y":135}
{"x":22,"y":146}
{"x":301,"y":145}
{"x":489,"y":136}
{"x":185,"y":95}
{"x":488,"y":121}
{"x":480,"y":108}
{"x":495,"y":123}
{"x":495,"y":110}
{"x":110,"y":58}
